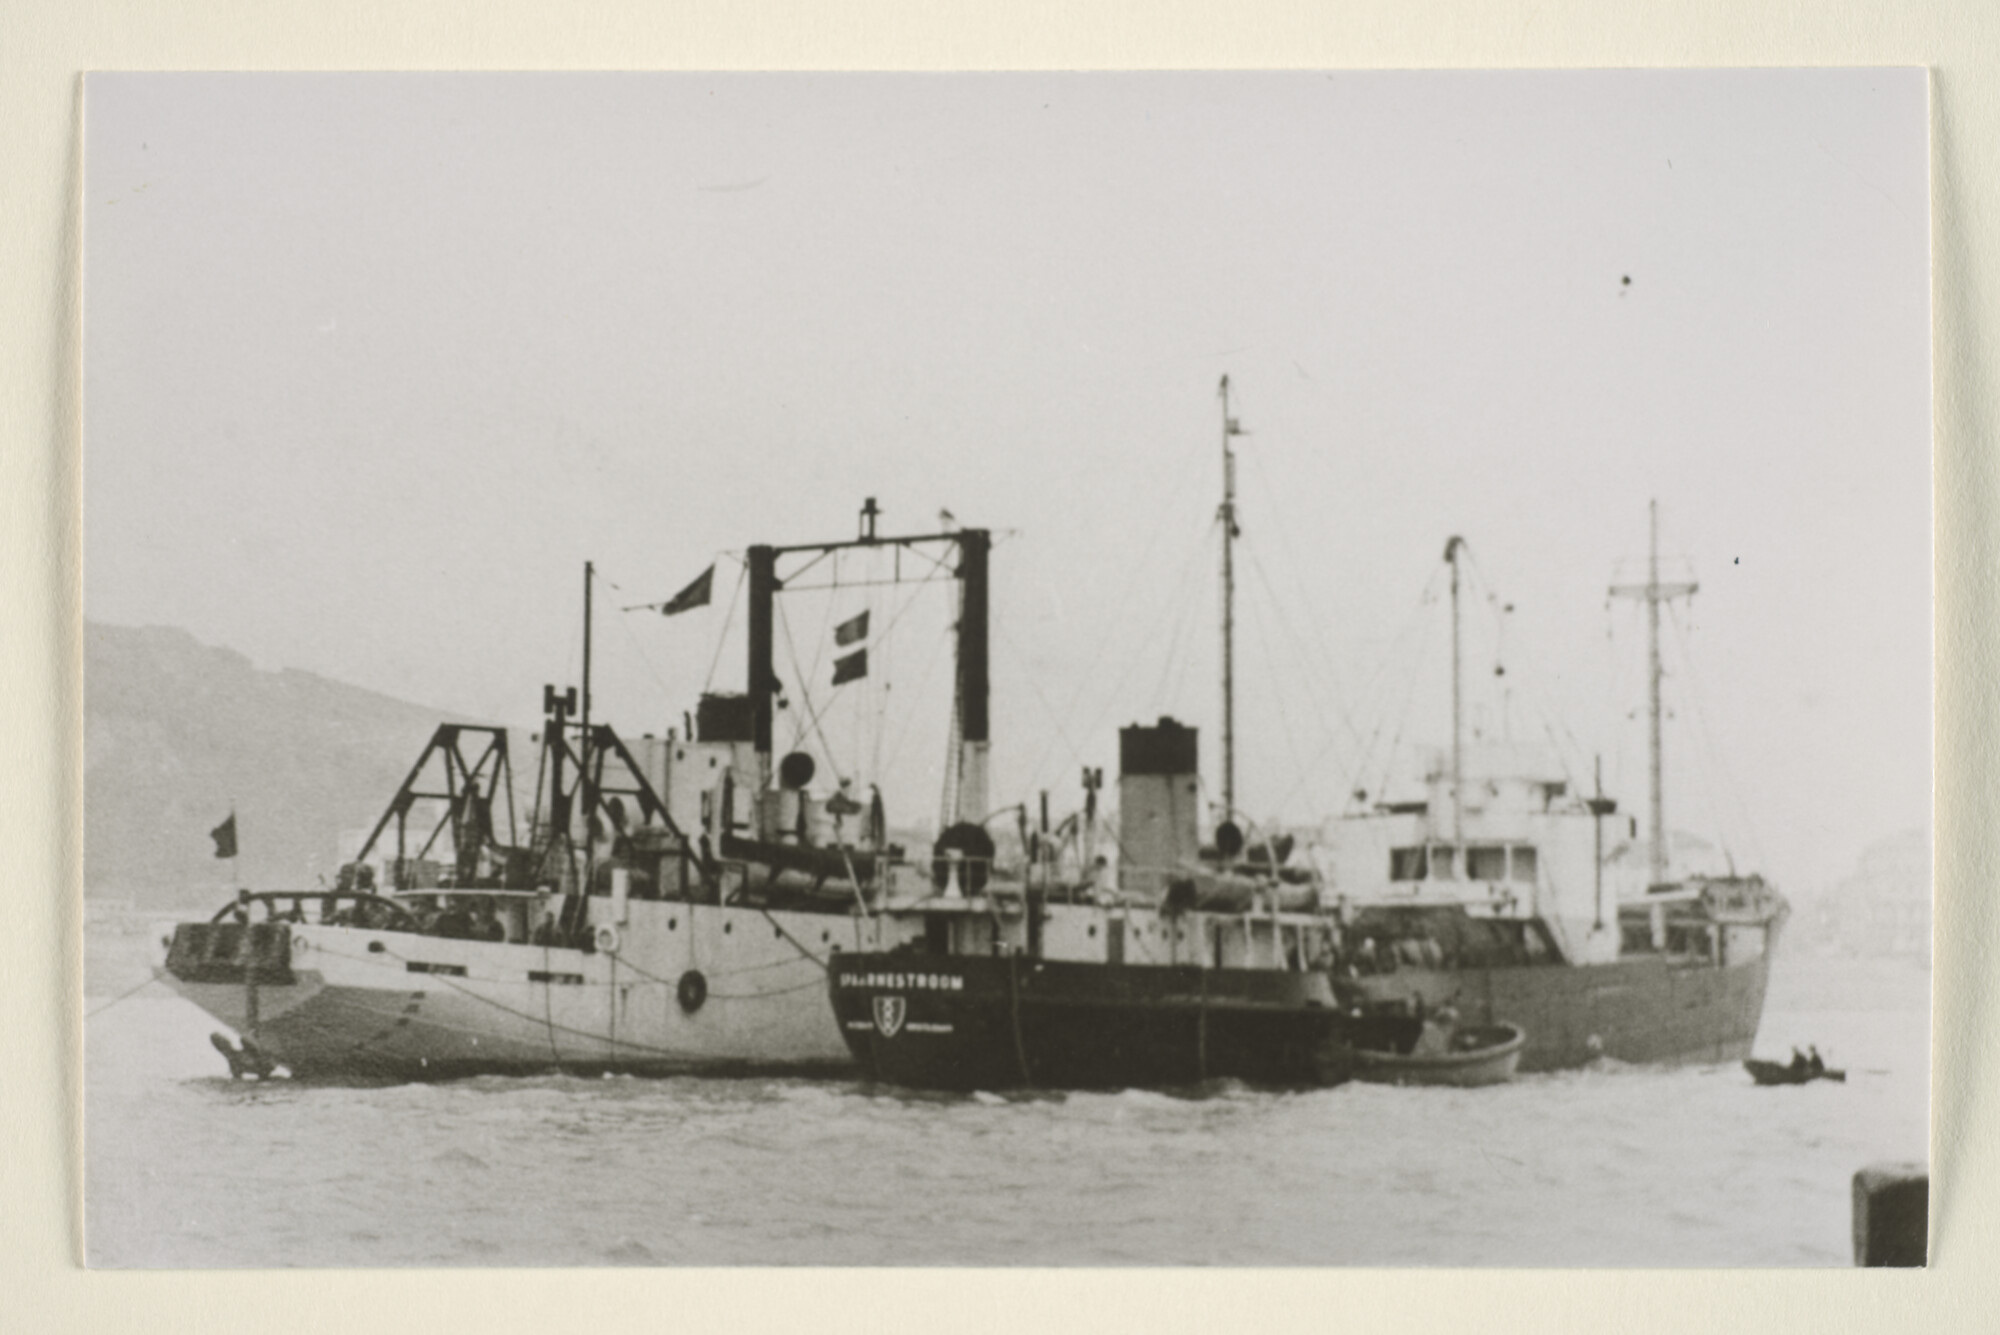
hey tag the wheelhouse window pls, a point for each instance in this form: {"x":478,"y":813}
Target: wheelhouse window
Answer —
{"x":1406,"y":864}
{"x":1443,"y":864}
{"x":1525,"y":863}
{"x":1486,"y":864}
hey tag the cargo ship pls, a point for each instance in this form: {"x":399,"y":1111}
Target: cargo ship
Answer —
{"x":1502,"y":894}
{"x":1188,"y":963}
{"x":671,"y":905}
{"x":1506,"y":892}
{"x":1173,"y":973}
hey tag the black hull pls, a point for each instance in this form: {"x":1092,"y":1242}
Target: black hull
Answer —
{"x":1647,"y":1010}
{"x":969,"y":1023}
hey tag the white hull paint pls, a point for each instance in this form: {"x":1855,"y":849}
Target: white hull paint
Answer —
{"x":399,"y":1005}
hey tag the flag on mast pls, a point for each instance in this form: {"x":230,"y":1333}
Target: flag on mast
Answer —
{"x":225,"y":837}
{"x":848,"y":668}
{"x":694,"y":595}
{"x":850,"y":630}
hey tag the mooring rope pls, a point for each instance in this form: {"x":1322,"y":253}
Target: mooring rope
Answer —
{"x":90,"y":1014}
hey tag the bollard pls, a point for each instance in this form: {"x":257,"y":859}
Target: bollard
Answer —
{"x":1892,"y":1206}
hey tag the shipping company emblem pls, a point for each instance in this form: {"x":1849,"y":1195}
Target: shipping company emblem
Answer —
{"x":889,"y":1013}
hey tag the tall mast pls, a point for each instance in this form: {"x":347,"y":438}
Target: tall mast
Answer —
{"x":1654,"y":593}
{"x":583,"y":751}
{"x":1229,"y":534}
{"x":1451,"y":551}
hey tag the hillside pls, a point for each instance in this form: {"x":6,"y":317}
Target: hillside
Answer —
{"x":176,"y":732}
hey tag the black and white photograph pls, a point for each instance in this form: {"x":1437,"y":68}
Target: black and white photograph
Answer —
{"x":1265,"y":669}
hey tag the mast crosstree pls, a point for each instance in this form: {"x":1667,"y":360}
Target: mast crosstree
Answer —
{"x":1653,"y":593}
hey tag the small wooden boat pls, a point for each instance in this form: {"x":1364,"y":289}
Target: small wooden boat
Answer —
{"x":1472,"y":1055}
{"x":1789,"y":1073}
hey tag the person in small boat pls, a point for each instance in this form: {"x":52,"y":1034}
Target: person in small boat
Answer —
{"x":1814,"y":1062}
{"x":1439,"y":1027}
{"x":1799,"y":1062}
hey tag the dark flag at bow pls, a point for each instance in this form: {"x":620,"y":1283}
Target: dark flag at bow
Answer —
{"x":854,"y":628}
{"x":225,"y":837}
{"x":693,"y":596}
{"x":850,"y":667}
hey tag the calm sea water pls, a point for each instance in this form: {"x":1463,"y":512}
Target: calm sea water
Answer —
{"x":1618,"y":1166}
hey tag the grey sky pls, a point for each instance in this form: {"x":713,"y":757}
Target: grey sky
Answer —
{"x":374,"y":363}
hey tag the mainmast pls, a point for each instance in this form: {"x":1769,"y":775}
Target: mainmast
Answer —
{"x":583,"y":751}
{"x":1654,"y":593}
{"x":1452,"y":548}
{"x":1230,"y":532}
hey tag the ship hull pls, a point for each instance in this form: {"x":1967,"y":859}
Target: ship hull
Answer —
{"x":967,"y":1023}
{"x":337,"y":1003}
{"x":1648,"y":1010}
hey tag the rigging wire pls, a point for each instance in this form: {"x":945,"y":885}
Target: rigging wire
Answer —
{"x":825,"y":623}
{"x":1007,"y":643}
{"x":806,"y":699}
{"x":1128,"y":606}
{"x":1414,"y":624}
{"x":1305,"y":657}
{"x":1278,"y":700}
{"x":1551,"y":719}
{"x":880,"y":642}
{"x":1408,"y":644}
{"x":638,"y":649}
{"x":130,"y":991}
{"x":728,"y":617}
{"x":1179,"y":612}
{"x":1716,"y":755}
{"x":1396,"y":739}
{"x":1325,"y":660}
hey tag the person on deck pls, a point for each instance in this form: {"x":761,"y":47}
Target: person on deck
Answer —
{"x":485,"y":925}
{"x":455,"y":921}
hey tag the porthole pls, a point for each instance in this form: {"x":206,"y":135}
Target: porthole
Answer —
{"x":672,"y":923}
{"x":1093,"y":929}
{"x":728,"y":927}
{"x":777,"y":932}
